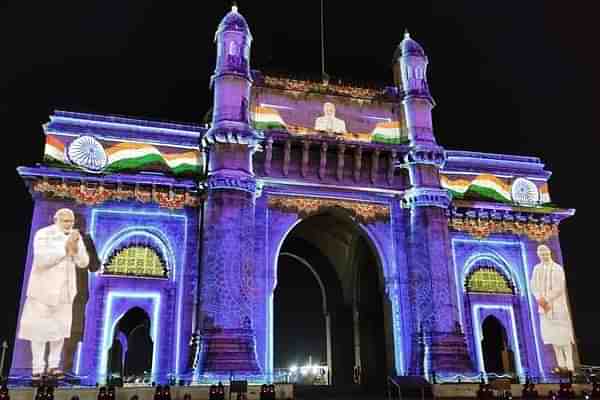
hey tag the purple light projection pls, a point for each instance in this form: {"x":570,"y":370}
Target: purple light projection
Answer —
{"x":272,"y":163}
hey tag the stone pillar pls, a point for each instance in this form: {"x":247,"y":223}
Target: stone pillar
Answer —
{"x":438,"y":342}
{"x":228,"y":341}
{"x":440,"y":338}
{"x":227,"y":336}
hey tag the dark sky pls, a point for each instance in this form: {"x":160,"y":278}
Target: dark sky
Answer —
{"x":513,"y":77}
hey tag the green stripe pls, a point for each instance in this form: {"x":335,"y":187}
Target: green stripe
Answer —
{"x":379,"y":138}
{"x":186,"y":169}
{"x":477,"y":192}
{"x":455,"y":194}
{"x":153,"y":161}
{"x":267,"y":125}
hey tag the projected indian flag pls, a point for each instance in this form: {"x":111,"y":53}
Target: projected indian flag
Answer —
{"x":267,"y":118}
{"x":139,"y":156}
{"x":54,"y":151}
{"x":484,"y":186}
{"x":133,"y":156}
{"x":182,"y":163}
{"x":457,"y":187}
{"x":544,"y":194}
{"x":388,"y":133}
{"x":491,"y":186}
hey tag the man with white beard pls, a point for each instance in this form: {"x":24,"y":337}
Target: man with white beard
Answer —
{"x":47,"y":311}
{"x":549,"y":289}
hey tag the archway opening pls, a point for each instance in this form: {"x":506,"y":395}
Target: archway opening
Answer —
{"x":355,"y":310}
{"x":300,"y":338}
{"x":497,"y":356}
{"x":130,"y":356}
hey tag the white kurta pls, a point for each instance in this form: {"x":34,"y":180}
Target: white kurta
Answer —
{"x":330,"y":124}
{"x":548,"y":281}
{"x":52,"y":286}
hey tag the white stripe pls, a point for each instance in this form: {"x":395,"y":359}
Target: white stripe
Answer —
{"x":54,"y":152}
{"x":132,"y":153}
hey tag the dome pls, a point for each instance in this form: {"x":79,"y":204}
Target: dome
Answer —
{"x":233,"y":21}
{"x":409,"y":47}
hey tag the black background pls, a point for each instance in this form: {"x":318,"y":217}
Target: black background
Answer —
{"x":516,"y":77}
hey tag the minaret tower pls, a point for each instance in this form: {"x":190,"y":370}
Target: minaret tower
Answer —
{"x":227,"y":270}
{"x":436,"y":324}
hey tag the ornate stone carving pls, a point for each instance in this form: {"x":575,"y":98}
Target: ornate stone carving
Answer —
{"x":481,"y":228}
{"x":425,"y":154}
{"x":365,"y":213}
{"x":245,"y":184}
{"x":99,"y":193}
{"x":232,"y":133}
{"x":426,"y":197}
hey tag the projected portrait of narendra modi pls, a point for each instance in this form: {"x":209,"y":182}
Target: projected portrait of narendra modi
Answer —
{"x":549,"y":289}
{"x":328,"y":122}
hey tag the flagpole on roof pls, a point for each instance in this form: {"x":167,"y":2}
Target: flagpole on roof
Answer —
{"x":324,"y":75}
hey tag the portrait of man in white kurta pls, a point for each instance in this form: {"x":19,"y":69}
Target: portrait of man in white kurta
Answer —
{"x":47,"y":312}
{"x":328,"y":122}
{"x":549,"y":289}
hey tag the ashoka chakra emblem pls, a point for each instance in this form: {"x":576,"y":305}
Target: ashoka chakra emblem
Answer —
{"x":87,"y":153}
{"x":525,"y":192}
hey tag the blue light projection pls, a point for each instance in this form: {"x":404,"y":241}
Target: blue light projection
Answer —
{"x":109,"y":328}
{"x":479,"y":337}
{"x":510,"y":257}
{"x":181,"y":216}
{"x":157,"y":236}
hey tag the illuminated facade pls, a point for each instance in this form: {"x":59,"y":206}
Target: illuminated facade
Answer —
{"x":188,"y":223}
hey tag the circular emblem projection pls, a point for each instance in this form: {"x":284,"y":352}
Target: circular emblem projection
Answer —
{"x":524,"y":192}
{"x":87,"y":153}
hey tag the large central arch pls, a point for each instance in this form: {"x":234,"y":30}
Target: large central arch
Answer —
{"x":348,"y":267}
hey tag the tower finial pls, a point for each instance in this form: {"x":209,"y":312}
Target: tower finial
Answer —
{"x":234,"y":7}
{"x":406,"y":34}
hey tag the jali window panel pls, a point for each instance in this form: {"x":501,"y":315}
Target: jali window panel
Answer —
{"x":487,"y":279}
{"x":140,"y":260}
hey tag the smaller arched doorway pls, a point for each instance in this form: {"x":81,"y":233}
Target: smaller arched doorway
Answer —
{"x":493,"y":301}
{"x":497,"y":356}
{"x":130,"y":355}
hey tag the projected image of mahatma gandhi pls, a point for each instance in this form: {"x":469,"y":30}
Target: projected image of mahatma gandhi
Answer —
{"x":328,"y":122}
{"x":549,"y":289}
{"x":46,"y":319}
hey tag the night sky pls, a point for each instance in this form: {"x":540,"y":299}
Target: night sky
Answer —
{"x":515,"y":77}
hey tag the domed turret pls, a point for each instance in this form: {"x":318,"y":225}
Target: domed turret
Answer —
{"x":410,"y":76}
{"x":234,"y":21}
{"x":232,"y":80}
{"x":410,"y":67}
{"x":409,"y":47}
{"x":233,"y":39}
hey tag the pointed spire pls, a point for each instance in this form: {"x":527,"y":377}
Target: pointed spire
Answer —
{"x":409,"y":46}
{"x":233,"y":21}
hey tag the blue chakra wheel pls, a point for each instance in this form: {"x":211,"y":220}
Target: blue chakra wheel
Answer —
{"x":87,"y":153}
{"x":525,"y":192}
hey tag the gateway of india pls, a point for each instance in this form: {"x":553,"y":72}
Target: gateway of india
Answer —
{"x":155,"y":246}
